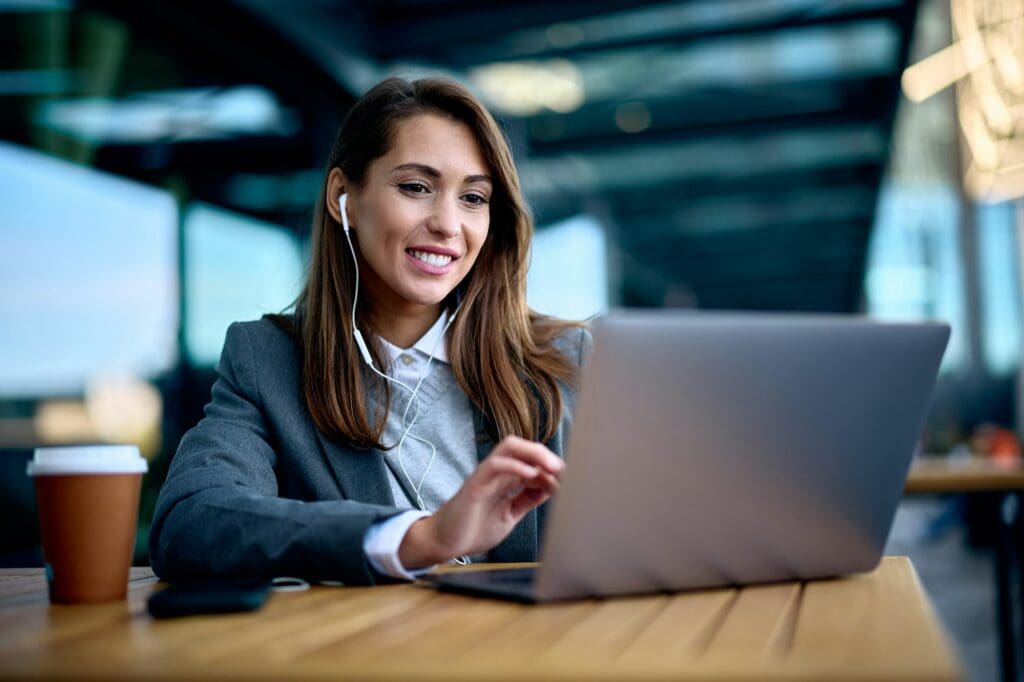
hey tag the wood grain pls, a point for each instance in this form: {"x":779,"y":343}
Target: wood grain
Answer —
{"x":875,"y":626}
{"x":956,"y":475}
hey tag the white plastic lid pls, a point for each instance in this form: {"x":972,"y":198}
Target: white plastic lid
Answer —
{"x":87,"y":459}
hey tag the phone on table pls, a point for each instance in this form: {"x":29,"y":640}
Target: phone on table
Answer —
{"x":211,"y":596}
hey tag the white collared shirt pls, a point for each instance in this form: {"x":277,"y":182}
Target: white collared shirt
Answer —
{"x":456,"y":452}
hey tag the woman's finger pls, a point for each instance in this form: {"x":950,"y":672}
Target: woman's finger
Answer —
{"x":499,"y":464}
{"x":502,"y":475}
{"x":527,"y":500}
{"x":530,"y":452}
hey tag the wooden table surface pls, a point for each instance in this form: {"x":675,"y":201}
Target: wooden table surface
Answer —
{"x":874,"y":626}
{"x":964,"y":475}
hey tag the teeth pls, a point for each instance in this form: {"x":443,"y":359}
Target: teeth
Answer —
{"x":434,"y":259}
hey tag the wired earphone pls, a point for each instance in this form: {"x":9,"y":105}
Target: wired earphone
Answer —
{"x":364,"y":351}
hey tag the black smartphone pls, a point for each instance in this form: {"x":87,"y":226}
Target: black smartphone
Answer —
{"x":213,"y":596}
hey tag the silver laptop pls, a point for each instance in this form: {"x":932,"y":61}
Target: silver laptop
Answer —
{"x":728,"y":449}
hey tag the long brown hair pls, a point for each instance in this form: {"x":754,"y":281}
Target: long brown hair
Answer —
{"x":502,"y":354}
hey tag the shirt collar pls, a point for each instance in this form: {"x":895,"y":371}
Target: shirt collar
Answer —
{"x":426,"y":342}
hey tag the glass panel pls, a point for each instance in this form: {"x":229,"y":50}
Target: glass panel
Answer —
{"x":914,"y":269}
{"x":568,"y":274}
{"x":88,"y":275}
{"x":237,"y":268}
{"x":1000,"y":293}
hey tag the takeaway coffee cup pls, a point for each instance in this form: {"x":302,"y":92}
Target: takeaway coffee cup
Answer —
{"x":88,"y":500}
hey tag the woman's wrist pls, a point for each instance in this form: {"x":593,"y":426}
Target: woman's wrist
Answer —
{"x":420,"y":547}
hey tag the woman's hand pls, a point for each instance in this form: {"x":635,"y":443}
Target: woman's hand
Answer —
{"x":517,"y":476}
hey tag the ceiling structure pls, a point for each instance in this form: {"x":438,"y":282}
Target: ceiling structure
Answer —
{"x":732,"y":149}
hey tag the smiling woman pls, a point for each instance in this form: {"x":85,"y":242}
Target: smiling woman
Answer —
{"x":419,"y":225}
{"x":417,"y":420}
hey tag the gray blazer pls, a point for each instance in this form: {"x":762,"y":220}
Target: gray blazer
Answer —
{"x":256,"y":490}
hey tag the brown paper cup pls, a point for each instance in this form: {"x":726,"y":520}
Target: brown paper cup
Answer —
{"x":88,"y":522}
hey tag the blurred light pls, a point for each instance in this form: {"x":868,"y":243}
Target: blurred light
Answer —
{"x":125,"y":409}
{"x":633,"y":117}
{"x":990,"y":100}
{"x":527,"y":88}
{"x":940,"y":70}
{"x":63,"y":421}
{"x":975,"y":47}
{"x":994,"y":187}
{"x":982,"y":145}
{"x":1009,"y":64}
{"x":197,"y":114}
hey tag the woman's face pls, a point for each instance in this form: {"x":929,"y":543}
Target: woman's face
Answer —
{"x":422,"y":213}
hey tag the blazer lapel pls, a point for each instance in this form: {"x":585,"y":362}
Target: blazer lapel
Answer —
{"x":360,"y":474}
{"x":521,"y":543}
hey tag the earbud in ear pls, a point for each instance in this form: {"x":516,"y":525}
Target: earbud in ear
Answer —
{"x":342,"y":201}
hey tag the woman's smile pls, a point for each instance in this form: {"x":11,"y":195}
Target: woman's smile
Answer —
{"x":431,"y":261}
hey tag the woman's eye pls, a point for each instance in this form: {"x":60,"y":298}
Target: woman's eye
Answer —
{"x":476,"y":199}
{"x":414,"y":187}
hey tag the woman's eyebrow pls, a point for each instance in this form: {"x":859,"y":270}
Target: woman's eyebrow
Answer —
{"x":434,"y":173}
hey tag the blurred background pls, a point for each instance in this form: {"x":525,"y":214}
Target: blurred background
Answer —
{"x":159,"y":162}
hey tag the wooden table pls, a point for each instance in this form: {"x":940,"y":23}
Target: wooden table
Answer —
{"x":1003,"y":482}
{"x":875,"y":626}
{"x":964,"y":475}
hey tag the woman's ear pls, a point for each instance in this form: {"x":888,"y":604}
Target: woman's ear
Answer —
{"x":336,"y":186}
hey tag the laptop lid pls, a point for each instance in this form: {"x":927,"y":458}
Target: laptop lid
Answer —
{"x":716,"y":449}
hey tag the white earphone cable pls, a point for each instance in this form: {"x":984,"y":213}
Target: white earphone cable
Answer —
{"x":414,"y":392}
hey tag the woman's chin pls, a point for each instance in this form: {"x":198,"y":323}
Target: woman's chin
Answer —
{"x":428,"y":298}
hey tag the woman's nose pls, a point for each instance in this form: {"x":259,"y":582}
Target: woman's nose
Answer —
{"x":445,"y":219}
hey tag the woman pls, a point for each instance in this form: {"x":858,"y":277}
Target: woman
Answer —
{"x":413,"y":409}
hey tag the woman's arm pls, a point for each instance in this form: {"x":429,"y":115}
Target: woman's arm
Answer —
{"x":219,"y":514}
{"x":517,"y":476}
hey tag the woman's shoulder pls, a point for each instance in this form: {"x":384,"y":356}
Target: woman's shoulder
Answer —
{"x":572,"y":338}
{"x":271,"y":338}
{"x":268,"y":331}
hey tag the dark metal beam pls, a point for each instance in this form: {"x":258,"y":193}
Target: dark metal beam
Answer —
{"x":791,"y":236}
{"x":218,"y":36}
{"x":451,"y":44}
{"x":431,"y":29}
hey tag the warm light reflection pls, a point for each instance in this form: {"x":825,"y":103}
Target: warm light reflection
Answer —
{"x":527,"y":88}
{"x":986,"y":62}
{"x":633,"y":117}
{"x":937,"y":72}
{"x":118,"y":408}
{"x":63,"y":421}
{"x":125,"y":409}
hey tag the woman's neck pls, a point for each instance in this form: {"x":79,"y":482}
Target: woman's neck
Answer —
{"x":396,"y":319}
{"x":406,"y":327}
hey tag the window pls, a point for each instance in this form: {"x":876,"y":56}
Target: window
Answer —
{"x":568,"y":274}
{"x":88,"y":275}
{"x":914,"y":269}
{"x":1000,"y":287}
{"x":236,"y":268}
